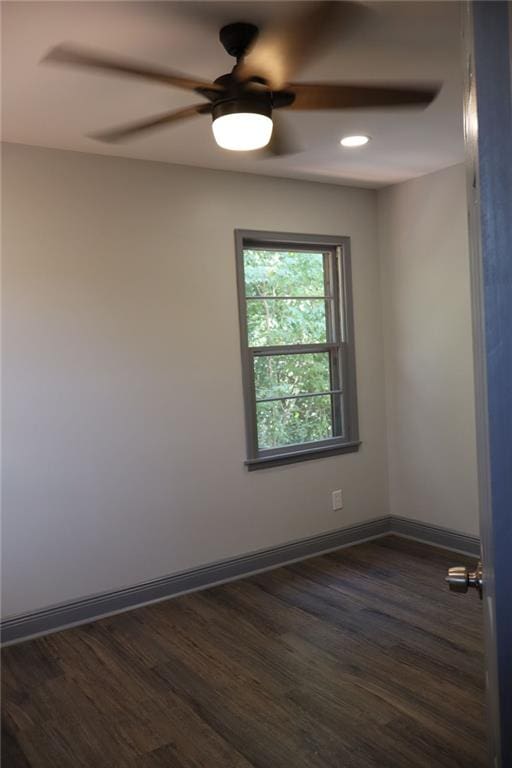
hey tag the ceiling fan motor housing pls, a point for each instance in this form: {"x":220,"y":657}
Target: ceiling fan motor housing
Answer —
{"x":260,"y":105}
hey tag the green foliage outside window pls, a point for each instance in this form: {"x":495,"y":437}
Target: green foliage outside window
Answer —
{"x":274,"y":321}
{"x":289,"y":422}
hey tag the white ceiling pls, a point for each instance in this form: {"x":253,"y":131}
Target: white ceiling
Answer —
{"x":56,"y":106}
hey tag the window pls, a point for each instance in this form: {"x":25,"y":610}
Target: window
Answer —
{"x":297,"y":346}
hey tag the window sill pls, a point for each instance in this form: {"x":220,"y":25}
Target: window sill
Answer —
{"x":277,"y":460}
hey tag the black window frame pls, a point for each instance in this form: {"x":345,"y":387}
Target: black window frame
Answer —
{"x":339,"y":345}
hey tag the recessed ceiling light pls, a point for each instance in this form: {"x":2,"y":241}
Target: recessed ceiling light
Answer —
{"x":354,"y":141}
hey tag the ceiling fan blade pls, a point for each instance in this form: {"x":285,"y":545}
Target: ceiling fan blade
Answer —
{"x":282,"y":48}
{"x":76,"y":56}
{"x":310,"y":96}
{"x":141,"y":126}
{"x":283,"y":140}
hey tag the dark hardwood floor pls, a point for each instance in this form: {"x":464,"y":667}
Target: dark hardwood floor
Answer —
{"x":355,"y":659}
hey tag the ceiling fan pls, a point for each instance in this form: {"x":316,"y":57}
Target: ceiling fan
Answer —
{"x":242,"y":103}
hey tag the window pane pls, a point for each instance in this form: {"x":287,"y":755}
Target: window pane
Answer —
{"x":283,"y":273}
{"x":281,"y":375}
{"x":272,"y":322}
{"x":289,"y":422}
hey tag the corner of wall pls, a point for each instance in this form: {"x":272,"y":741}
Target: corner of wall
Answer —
{"x":382,"y":240}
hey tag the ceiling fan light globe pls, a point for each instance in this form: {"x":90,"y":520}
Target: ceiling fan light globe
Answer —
{"x":242,"y":131}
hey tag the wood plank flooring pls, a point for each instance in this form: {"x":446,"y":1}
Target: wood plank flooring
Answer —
{"x":357,"y":659}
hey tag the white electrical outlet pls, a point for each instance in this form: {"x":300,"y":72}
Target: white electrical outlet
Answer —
{"x":337,"y":500}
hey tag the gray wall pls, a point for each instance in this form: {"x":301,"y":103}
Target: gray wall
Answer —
{"x":123,"y":436}
{"x":423,"y":244}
